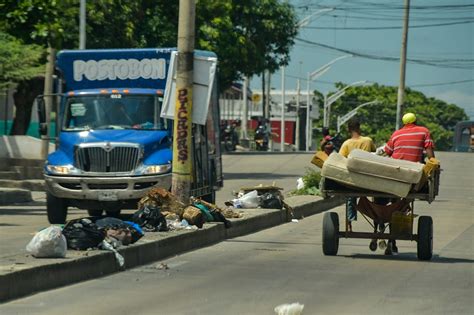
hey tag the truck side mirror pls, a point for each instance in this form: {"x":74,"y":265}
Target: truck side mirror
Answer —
{"x":43,"y":126}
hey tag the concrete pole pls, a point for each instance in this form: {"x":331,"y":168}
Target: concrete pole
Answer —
{"x":297,"y":128}
{"x":308,"y":127}
{"x":245,"y":118}
{"x":403,"y":63}
{"x":82,"y":25}
{"x":325,"y":124}
{"x":282,"y":135}
{"x":48,"y":99}
{"x":267,"y":105}
{"x":182,"y":148}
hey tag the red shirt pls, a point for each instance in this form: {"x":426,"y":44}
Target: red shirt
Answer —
{"x":409,"y":142}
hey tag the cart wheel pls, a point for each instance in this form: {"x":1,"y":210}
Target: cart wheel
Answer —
{"x":425,"y":238}
{"x":330,"y":233}
{"x":373,"y":245}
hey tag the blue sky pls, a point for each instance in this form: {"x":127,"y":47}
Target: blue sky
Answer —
{"x":450,"y":47}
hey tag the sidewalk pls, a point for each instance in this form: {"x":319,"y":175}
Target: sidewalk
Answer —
{"x":21,"y":274}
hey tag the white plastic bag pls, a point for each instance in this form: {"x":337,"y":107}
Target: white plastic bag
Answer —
{"x":48,"y":243}
{"x":289,"y":309}
{"x":299,"y":183}
{"x":249,"y":200}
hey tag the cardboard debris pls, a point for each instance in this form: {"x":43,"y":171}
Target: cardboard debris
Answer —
{"x":163,"y":199}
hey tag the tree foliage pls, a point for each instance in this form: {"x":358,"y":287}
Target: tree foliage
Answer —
{"x":249,"y":36}
{"x":378,"y":120}
{"x":18,"y":62}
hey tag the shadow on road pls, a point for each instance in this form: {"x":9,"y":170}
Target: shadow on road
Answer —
{"x":411,"y":257}
{"x":253,"y":176}
{"x":20,"y":211}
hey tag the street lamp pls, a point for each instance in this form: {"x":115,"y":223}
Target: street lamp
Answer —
{"x":312,"y":76}
{"x":352,"y":113}
{"x":302,"y":23}
{"x":329,"y":100}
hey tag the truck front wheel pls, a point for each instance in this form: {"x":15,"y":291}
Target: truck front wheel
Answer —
{"x":56,"y":208}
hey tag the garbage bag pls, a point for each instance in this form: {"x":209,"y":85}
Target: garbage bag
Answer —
{"x":249,"y":200}
{"x":150,"y":219}
{"x":271,"y":201}
{"x":82,"y":234}
{"x":123,"y":231}
{"x":48,"y":243}
{"x":137,"y":232}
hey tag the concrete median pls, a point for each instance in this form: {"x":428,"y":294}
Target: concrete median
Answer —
{"x":22,"y":275}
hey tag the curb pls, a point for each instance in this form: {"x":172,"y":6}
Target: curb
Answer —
{"x":14,"y":195}
{"x":60,"y":272}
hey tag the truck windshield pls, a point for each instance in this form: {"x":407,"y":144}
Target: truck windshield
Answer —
{"x":113,"y":111}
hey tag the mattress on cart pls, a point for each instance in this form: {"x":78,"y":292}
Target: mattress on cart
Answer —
{"x":335,"y":168}
{"x":364,"y":162}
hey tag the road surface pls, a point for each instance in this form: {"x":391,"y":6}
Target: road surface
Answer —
{"x":255,"y":273}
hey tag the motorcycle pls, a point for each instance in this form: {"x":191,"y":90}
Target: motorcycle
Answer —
{"x":261,"y":139}
{"x":230,"y":138}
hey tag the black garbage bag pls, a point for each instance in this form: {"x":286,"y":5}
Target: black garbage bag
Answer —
{"x":271,"y":200}
{"x":150,"y":219}
{"x":82,"y":234}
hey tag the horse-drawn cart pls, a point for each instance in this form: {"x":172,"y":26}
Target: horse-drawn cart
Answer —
{"x":399,"y":216}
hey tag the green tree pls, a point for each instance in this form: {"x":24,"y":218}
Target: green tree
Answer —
{"x":18,"y":62}
{"x":378,"y":121}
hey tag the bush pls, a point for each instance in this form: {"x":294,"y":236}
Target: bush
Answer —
{"x":311,"y":180}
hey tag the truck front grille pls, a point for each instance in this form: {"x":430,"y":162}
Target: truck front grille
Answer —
{"x":107,"y":158}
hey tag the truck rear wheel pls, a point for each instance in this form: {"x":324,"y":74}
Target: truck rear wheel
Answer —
{"x":56,"y":208}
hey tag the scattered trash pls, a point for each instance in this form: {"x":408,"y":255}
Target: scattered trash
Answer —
{"x":295,"y":220}
{"x":162,"y":266}
{"x":82,"y":234}
{"x":108,"y":246}
{"x":150,"y":218}
{"x":248,"y":200}
{"x":48,"y":243}
{"x":193,"y":215}
{"x":290,"y":309}
{"x":162,"y":199}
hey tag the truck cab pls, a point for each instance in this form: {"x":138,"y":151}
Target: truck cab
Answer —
{"x":114,"y":139}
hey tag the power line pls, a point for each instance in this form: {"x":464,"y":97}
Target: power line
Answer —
{"x":386,"y":27}
{"x":442,"y":63}
{"x":443,"y":83}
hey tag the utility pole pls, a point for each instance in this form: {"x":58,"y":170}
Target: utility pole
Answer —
{"x":282,"y":136}
{"x":245,"y":118}
{"x":297,"y":131}
{"x":48,"y":99}
{"x":308,"y":128}
{"x":82,"y":25}
{"x":403,"y":63}
{"x":267,"y":100}
{"x":182,"y":148}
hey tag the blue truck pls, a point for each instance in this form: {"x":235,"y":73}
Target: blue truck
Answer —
{"x":113,"y":137}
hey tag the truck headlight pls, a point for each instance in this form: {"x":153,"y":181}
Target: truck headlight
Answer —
{"x":156,"y":169}
{"x":61,"y":169}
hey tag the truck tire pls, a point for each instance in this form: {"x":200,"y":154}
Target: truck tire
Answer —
{"x":56,"y":208}
{"x":94,"y":212}
{"x":425,"y":238}
{"x":330,"y":233}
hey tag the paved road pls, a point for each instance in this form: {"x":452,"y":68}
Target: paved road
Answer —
{"x":18,"y":223}
{"x":253,"y":274}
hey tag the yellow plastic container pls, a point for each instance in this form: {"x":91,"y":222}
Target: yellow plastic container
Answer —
{"x":319,"y":158}
{"x":401,"y":223}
